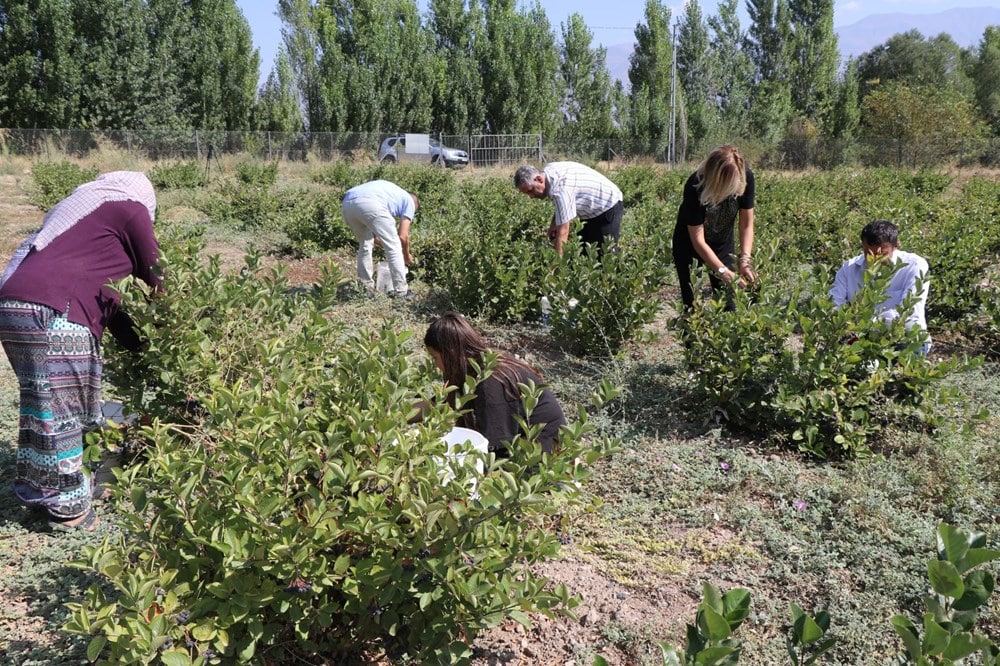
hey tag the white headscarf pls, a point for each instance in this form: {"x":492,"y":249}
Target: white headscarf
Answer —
{"x":85,"y":199}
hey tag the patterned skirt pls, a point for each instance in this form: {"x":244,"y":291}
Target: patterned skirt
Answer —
{"x":58,"y":367}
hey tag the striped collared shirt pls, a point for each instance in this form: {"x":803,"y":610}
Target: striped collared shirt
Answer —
{"x":579,"y":191}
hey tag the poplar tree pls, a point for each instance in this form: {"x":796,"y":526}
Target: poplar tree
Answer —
{"x":518,"y":61}
{"x":171,"y":53}
{"x":278,"y":106}
{"x":768,"y":45}
{"x":587,"y":103}
{"x":39,"y":74}
{"x":733,"y":72}
{"x":221,"y":86}
{"x":301,"y":30}
{"x":815,"y":58}
{"x":390,"y":66}
{"x":458,"y":98}
{"x":649,"y":73}
{"x":986,"y":75}
{"x":111,"y":45}
{"x":696,"y":76}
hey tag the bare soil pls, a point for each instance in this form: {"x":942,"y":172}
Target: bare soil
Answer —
{"x":612,"y":621}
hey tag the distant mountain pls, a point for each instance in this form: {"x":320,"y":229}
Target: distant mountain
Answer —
{"x":965,"y":25}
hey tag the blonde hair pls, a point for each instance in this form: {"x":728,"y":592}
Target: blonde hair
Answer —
{"x":721,"y":175}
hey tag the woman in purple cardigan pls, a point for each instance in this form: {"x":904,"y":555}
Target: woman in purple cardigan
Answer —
{"x":55,"y":303}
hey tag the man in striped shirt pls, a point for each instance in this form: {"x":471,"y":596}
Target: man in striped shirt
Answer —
{"x":577,"y":192}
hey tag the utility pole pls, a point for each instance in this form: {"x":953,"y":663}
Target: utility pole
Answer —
{"x":672,"y":145}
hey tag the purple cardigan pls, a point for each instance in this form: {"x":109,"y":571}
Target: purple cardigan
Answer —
{"x":71,"y":274}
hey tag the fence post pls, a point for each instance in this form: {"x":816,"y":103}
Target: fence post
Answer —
{"x":197,"y":145}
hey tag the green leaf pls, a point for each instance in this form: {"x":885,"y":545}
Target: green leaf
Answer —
{"x":977,"y":556}
{"x":671,"y":655}
{"x":936,"y":637}
{"x":175,"y":658}
{"x":342,"y":564}
{"x":713,"y":625}
{"x":714,"y":656}
{"x":736,"y":605}
{"x":711,"y":597}
{"x":520,"y":618}
{"x":908,"y":632}
{"x":945,"y":578}
{"x":978,"y":588}
{"x":806,"y":630}
{"x":964,"y":644}
{"x":95,"y":647}
{"x":953,"y":543}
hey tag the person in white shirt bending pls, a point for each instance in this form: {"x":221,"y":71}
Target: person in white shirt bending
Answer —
{"x":880,"y":242}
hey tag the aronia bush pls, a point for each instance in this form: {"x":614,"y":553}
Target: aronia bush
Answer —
{"x":285,"y":509}
{"x":827,"y":380}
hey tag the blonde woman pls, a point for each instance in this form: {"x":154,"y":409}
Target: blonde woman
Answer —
{"x":717,"y":193}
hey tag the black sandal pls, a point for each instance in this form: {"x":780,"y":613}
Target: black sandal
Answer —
{"x":87,"y":524}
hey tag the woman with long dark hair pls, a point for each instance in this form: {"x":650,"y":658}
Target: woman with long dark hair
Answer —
{"x":458,"y":349}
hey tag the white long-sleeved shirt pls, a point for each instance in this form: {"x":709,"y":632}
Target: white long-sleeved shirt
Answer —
{"x":851,"y":277}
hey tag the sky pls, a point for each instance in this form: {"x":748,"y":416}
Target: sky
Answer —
{"x":610,"y":23}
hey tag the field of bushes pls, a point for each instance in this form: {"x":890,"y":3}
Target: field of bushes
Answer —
{"x":276,"y":507}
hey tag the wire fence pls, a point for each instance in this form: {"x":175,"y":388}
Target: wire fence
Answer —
{"x":159,"y":145}
{"x":480,"y":149}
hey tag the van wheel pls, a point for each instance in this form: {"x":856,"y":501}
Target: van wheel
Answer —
{"x":389,"y":159}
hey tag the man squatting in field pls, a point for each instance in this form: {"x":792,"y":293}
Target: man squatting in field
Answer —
{"x":880,"y":242}
{"x":577,"y":192}
{"x":371,"y":210}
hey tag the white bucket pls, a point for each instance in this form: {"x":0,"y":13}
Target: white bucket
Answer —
{"x":383,"y":280}
{"x":456,"y":437}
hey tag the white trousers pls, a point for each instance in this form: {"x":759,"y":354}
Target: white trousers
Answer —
{"x":369,"y":219}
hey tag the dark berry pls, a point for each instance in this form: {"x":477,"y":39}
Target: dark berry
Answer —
{"x":424,"y":553}
{"x":183,"y":617}
{"x":298,"y":586}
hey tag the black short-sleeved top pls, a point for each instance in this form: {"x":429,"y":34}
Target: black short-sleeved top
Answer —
{"x":494,"y":414}
{"x":719,"y":220}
